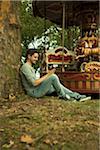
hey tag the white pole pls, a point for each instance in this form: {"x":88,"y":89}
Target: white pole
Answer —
{"x":63,"y":27}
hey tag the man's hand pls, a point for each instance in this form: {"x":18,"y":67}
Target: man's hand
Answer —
{"x":52,"y":71}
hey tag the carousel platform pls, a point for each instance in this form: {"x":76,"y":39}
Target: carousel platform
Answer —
{"x":80,"y":82}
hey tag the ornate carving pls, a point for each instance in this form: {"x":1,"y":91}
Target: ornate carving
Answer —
{"x":97,"y":76}
{"x":90,"y":67}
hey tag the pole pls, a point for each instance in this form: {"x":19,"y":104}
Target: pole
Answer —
{"x":63,"y":27}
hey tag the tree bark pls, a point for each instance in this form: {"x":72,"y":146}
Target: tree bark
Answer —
{"x":10,"y":47}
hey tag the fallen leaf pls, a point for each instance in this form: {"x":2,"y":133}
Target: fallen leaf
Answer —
{"x":55,"y":142}
{"x":26,"y":139}
{"x":12,"y":97}
{"x":1,"y":130}
{"x":11,"y":142}
{"x":93,"y":122}
{"x":47,"y":141}
{"x":8,"y":145}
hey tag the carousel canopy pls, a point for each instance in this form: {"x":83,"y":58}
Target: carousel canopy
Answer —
{"x":76,"y":12}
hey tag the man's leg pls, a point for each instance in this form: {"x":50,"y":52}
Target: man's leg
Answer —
{"x":48,"y":86}
{"x":75,"y":95}
{"x":71,"y":93}
{"x":53,"y":84}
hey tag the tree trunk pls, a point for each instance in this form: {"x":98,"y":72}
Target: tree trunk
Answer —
{"x":10,"y":51}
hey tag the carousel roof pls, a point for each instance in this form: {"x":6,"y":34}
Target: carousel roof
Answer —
{"x":75,"y":11}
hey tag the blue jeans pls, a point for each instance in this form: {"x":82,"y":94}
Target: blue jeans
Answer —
{"x":50,"y":85}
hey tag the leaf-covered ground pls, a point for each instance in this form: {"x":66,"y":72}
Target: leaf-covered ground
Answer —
{"x":48,"y":124}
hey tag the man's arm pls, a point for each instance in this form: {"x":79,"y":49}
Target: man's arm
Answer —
{"x":40,"y":80}
{"x":26,"y":72}
{"x":31,"y":77}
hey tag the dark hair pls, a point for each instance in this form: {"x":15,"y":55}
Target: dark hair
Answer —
{"x":30,"y":52}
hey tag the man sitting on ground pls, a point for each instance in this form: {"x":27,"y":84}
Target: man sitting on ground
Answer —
{"x":46,"y":84}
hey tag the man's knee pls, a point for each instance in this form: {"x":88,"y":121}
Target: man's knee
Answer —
{"x":54,"y":77}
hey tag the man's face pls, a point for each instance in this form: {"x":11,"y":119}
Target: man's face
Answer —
{"x":34,"y":58}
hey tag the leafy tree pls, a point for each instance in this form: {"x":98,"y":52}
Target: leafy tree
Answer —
{"x":38,"y":27}
{"x":71,"y":36}
{"x":31,"y":26}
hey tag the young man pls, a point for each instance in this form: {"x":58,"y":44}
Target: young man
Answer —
{"x":47,"y":84}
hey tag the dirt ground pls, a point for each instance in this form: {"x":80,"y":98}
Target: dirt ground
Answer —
{"x":48,"y":124}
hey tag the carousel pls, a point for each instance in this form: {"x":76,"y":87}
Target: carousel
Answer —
{"x":78,"y":70}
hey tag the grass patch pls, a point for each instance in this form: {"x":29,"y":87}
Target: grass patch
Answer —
{"x":53,"y":124}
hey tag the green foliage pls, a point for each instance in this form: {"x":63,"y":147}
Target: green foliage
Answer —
{"x":30,"y":26}
{"x":71,"y":36}
{"x":36,"y":27}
